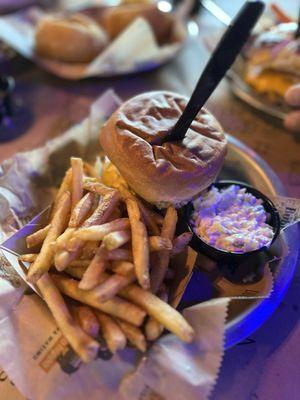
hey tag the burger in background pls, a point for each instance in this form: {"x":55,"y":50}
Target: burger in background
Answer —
{"x":273,"y":64}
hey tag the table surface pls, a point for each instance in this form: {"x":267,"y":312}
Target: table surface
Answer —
{"x":265,"y":365}
{"x":56,"y":104}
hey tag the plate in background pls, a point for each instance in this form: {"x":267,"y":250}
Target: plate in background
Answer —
{"x":247,"y":94}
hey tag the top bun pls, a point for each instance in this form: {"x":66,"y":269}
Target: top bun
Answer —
{"x":168,"y":173}
{"x":75,"y":38}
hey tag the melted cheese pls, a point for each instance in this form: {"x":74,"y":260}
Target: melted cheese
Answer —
{"x":112,"y":177}
{"x":270,"y":81}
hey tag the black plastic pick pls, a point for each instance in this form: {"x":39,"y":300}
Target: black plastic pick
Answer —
{"x":297,"y":33}
{"x":221,"y":60}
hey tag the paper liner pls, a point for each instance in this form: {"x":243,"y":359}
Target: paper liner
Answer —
{"x":26,"y":186}
{"x":200,"y":360}
{"x":8,"y":389}
{"x":134,"y":50}
{"x":289,"y":210}
{"x":181,"y":371}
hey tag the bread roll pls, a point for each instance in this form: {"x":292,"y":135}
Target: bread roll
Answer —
{"x":116,"y":19}
{"x":72,"y":39}
{"x":168,"y":173}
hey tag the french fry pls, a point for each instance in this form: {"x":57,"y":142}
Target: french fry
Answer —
{"x":75,"y":272}
{"x":89,"y":250}
{"x":68,"y":250}
{"x":90,"y":170}
{"x":112,"y":285}
{"x":93,"y":272}
{"x":134,"y":335}
{"x":62,"y":240}
{"x":86,"y":235}
{"x":81,"y":210}
{"x":149,"y":217}
{"x":29,"y":258}
{"x":105,"y":208}
{"x":101,"y":214}
{"x":116,"y":307}
{"x":66,"y":186}
{"x":77,"y":180}
{"x":118,"y":255}
{"x":60,"y":248}
{"x":159,"y":270}
{"x":161,"y":311}
{"x":37,"y":237}
{"x":181,"y":242}
{"x":86,"y":347}
{"x":45,"y":257}
{"x":63,"y":258}
{"x":88,"y":179}
{"x":98,"y":232}
{"x":125,"y":193}
{"x":80,"y":263}
{"x":145,"y":210}
{"x":122,"y":267}
{"x":153,"y":328}
{"x":140,"y":244}
{"x":98,"y":188}
{"x":158,"y":243}
{"x":87,"y":320}
{"x":116,"y":239}
{"x":112,"y":333}
{"x":73,"y":244}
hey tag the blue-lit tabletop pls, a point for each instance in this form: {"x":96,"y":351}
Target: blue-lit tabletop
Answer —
{"x":265,"y":365}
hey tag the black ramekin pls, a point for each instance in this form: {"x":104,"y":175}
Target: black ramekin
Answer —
{"x":237,"y":267}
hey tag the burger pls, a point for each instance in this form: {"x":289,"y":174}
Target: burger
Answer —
{"x":135,"y":139}
{"x":273,"y":61}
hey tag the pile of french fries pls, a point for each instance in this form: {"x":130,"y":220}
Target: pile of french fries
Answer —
{"x":104,"y":265}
